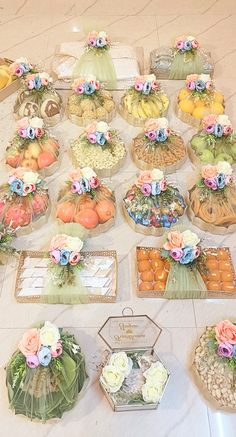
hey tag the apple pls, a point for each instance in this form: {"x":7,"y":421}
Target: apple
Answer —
{"x":198,"y":143}
{"x":13,"y":160}
{"x":207,"y":156}
{"x":224,"y":157}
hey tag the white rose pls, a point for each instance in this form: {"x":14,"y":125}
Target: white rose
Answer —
{"x":190,"y":37}
{"x":150,"y":77}
{"x":190,"y":238}
{"x":162,"y":122}
{"x":157,"y":174}
{"x":45,"y":76}
{"x":121,"y":362}
{"x":74,"y":244}
{"x":88,"y":172}
{"x":151,"y":393}
{"x":156,"y":374}
{"x":224,"y":120}
{"x":204,"y":77}
{"x":30,"y":177}
{"x":224,"y":167}
{"x":102,"y":126}
{"x":22,"y":60}
{"x":102,"y":34}
{"x":112,"y":378}
{"x":49,"y":334}
{"x":36,"y":122}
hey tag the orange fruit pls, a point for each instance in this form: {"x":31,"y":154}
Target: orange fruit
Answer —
{"x":154,"y":254}
{"x":200,"y":112}
{"x":65,"y":211}
{"x":145,"y":286}
{"x":183,"y":94}
{"x":144,"y":266}
{"x":157,"y":264}
{"x":217,"y":108}
{"x":142,"y":254}
{"x":87,"y":217}
{"x":159,"y":286}
{"x":186,"y":105}
{"x":105,"y":210}
{"x":147,"y":276}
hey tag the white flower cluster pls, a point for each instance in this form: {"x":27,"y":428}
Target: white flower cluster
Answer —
{"x":156,"y":377}
{"x":113,"y":374}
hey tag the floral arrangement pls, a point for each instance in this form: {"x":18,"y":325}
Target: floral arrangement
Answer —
{"x":30,"y":128}
{"x":98,"y":41}
{"x":217,"y":125}
{"x":84,"y":180}
{"x":151,"y":183}
{"x":119,"y":368}
{"x":87,"y":86}
{"x":38,"y":81}
{"x":222,"y":340}
{"x":216,"y":177}
{"x":199,"y":83}
{"x":181,"y":247}
{"x":21,"y":67}
{"x":146,"y":84}
{"x":157,"y":129}
{"x":23,"y":182}
{"x":185,"y":44}
{"x":98,"y":133}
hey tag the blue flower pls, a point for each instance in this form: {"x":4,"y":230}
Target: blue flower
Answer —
{"x":30,"y":132}
{"x":147,"y":87}
{"x":234,"y":351}
{"x":37,"y":83}
{"x":161,"y":136}
{"x":200,"y":85}
{"x":218,"y":131}
{"x":88,"y":88}
{"x":44,"y":356}
{"x":17,"y":186}
{"x":155,"y":188}
{"x":188,"y":255}
{"x":25,"y":67}
{"x":100,"y":42}
{"x":100,"y":138}
{"x":220,"y":180}
{"x":84,"y":183}
{"x":187,"y":45}
{"x":65,"y":255}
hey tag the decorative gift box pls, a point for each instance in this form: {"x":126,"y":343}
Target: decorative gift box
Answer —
{"x":185,"y":57}
{"x":158,"y":147}
{"x":144,"y":99}
{"x":212,"y":199}
{"x":198,"y":99}
{"x":215,"y":141}
{"x":46,"y":373}
{"x":39,"y":98}
{"x":87,"y":201}
{"x":100,"y":148}
{"x":33,"y":147}
{"x":24,"y":201}
{"x":133,"y":377}
{"x":215,"y":365}
{"x":8,"y":81}
{"x":151,"y":205}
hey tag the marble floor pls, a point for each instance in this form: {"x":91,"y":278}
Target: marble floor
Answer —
{"x":33,"y":29}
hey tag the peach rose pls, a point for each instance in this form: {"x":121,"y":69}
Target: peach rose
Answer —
{"x":91,"y":128}
{"x":58,"y":242}
{"x":145,"y":177}
{"x":191,"y":78}
{"x":208,"y":171}
{"x":209,"y":120}
{"x":75,"y":175}
{"x":151,"y":124}
{"x":226,"y":332}
{"x":175,"y":239}
{"x":29,"y":343}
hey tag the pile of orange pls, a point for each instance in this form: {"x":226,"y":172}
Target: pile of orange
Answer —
{"x":220,"y":274}
{"x":153,"y":270}
{"x":197,"y":107}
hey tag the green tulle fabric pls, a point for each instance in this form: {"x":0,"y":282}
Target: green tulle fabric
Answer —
{"x":45,"y":393}
{"x":184,"y":282}
{"x":98,"y":64}
{"x":184,"y":64}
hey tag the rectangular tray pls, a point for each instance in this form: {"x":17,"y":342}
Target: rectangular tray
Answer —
{"x":9,"y":89}
{"x":39,"y":272}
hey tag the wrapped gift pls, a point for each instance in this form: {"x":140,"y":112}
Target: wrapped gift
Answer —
{"x":46,"y":373}
{"x":185,"y":57}
{"x":33,"y":147}
{"x":89,"y":101}
{"x":100,"y":148}
{"x":7,"y":234}
{"x":215,"y":365}
{"x":39,"y":98}
{"x":158,"y":147}
{"x":212,"y":199}
{"x":198,"y":99}
{"x":87,"y":201}
{"x":24,"y":201}
{"x":151,"y":205}
{"x":145,"y":99}
{"x":215,"y":141}
{"x":133,"y":376}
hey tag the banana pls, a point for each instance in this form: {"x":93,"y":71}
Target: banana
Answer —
{"x":156,"y":107}
{"x":128,"y":103}
{"x":140,"y":111}
{"x":146,"y":109}
{"x":135,"y":111}
{"x":165,"y":101}
{"x":4,"y":77}
{"x":5,"y":67}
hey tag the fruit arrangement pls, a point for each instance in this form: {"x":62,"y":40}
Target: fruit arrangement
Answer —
{"x":32,"y":147}
{"x":39,"y":98}
{"x":23,"y":200}
{"x":158,"y":147}
{"x":152,"y":270}
{"x":87,"y":201}
{"x":215,"y":142}
{"x":151,"y":206}
{"x":143,"y":100}
{"x":6,"y":76}
{"x":100,"y":148}
{"x":90,"y":102}
{"x":220,"y":275}
{"x":199,"y":99}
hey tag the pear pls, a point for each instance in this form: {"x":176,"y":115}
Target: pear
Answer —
{"x":224,"y":157}
{"x":233,"y":150}
{"x":198,"y":143}
{"x":207,"y":156}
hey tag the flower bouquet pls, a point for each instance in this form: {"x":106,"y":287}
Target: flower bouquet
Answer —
{"x":158,"y":147}
{"x":89,"y":102}
{"x":215,"y":364}
{"x":32,"y":147}
{"x":185,"y":57}
{"x":21,"y":67}
{"x":215,"y":141}
{"x":100,"y":148}
{"x":24,"y":201}
{"x":198,"y":99}
{"x":145,"y":99}
{"x":87,"y":201}
{"x":212,"y":200}
{"x":39,"y":98}
{"x":97,"y":60}
{"x":46,"y":374}
{"x":151,"y":205}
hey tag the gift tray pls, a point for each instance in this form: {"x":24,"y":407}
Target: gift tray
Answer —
{"x":220,"y":278}
{"x":32,"y":271}
{"x":12,"y":87}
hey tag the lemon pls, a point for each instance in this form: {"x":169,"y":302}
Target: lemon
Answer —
{"x":199,"y":103}
{"x":183,"y":94}
{"x":200,"y":112}
{"x":186,"y":105}
{"x":218,"y":97}
{"x":217,"y":108}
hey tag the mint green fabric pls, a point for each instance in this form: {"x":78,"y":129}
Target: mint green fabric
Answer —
{"x":184,"y":64}
{"x":184,"y":282}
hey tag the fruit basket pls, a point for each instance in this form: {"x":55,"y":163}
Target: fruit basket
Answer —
{"x":8,"y":82}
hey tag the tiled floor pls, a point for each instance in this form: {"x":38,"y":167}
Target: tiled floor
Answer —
{"x":31,"y":28}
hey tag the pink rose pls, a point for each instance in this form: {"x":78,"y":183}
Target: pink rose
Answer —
{"x":146,"y":189}
{"x":208,"y":171}
{"x":227,"y":130}
{"x":92,"y":138}
{"x":145,"y":177}
{"x":197,"y":251}
{"x":44,"y":81}
{"x":92,"y":42}
{"x":209,"y":85}
{"x":210,"y":183}
{"x":226,"y":332}
{"x":191,"y":86}
{"x":163,"y":184}
{"x":138,"y":86}
{"x":32,"y":361}
{"x":174,"y":240}
{"x":19,"y":71}
{"x":195,"y":44}
{"x":94,"y":182}
{"x":29,"y":188}
{"x":155,"y":85}
{"x":30,"y":84}
{"x":38,"y":132}
{"x":79,"y":89}
{"x":29,"y":343}
{"x":74,"y":258}
{"x":108,"y":135}
{"x":55,"y":256}
{"x":22,"y":123}
{"x":58,"y":242}
{"x":180,"y":45}
{"x":97,"y":85}
{"x":56,"y":350}
{"x":228,"y":179}
{"x":176,"y":253}
{"x":22,"y":133}
{"x":75,"y":187}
